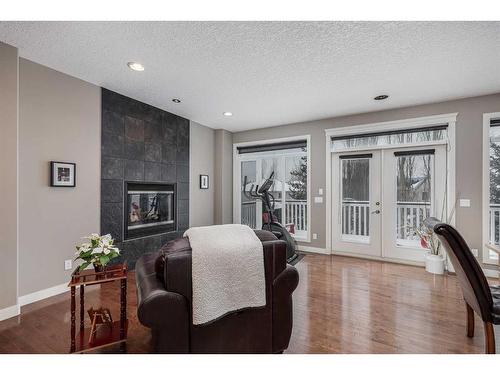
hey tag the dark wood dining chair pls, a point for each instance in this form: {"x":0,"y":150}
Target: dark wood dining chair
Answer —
{"x":479,"y":296}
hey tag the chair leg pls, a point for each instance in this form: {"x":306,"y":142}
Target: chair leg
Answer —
{"x":489,"y":338}
{"x":470,"y":320}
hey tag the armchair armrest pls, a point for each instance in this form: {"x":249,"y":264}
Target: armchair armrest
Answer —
{"x":283,"y":286}
{"x":153,"y":303}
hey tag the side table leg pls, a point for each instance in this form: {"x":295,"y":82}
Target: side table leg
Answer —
{"x":82,"y":306}
{"x":123,"y":313}
{"x":73,"y":318}
{"x":123,"y":307}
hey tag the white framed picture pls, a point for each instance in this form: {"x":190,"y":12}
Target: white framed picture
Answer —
{"x":62,"y":174}
{"x":203,"y":181}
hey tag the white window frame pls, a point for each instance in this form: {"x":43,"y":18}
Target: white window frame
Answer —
{"x":237,"y":158}
{"x":413,"y":123}
{"x":487,"y":117}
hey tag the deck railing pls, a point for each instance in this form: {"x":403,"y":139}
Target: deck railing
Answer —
{"x":409,"y":216}
{"x":248,"y":214}
{"x":356,"y":218}
{"x":295,"y":212}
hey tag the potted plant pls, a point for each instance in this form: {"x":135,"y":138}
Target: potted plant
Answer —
{"x":434,"y":260}
{"x":98,"y":251}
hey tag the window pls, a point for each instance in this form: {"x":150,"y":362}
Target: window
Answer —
{"x":288,"y":161}
{"x":390,"y":138}
{"x":493,"y":193}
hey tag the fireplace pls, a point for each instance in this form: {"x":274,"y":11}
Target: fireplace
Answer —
{"x":149,"y":209}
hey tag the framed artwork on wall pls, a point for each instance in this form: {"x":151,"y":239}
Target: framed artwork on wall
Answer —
{"x":203,"y":181}
{"x":62,"y":174}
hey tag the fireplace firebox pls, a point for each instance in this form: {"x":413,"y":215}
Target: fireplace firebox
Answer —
{"x":149,"y":209}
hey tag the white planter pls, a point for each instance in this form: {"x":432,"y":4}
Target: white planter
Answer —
{"x":434,"y":264}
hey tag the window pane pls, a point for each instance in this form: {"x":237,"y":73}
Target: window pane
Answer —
{"x":494,"y":212}
{"x":248,"y":204}
{"x":375,"y":140}
{"x":356,"y":197}
{"x":269,"y":165}
{"x":296,"y":194}
{"x":288,"y":191}
{"x":413,"y":196}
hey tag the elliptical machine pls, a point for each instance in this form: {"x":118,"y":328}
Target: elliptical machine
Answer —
{"x":271,"y":224}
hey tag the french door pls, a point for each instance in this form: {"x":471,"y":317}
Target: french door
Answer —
{"x":356,"y":201}
{"x":382,"y":197}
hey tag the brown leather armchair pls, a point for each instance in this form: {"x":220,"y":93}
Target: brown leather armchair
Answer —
{"x":479,"y":296}
{"x":164,"y":304}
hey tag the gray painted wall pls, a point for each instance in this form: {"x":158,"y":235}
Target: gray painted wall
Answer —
{"x":8,"y":174}
{"x":468,"y":157}
{"x":223,"y":210}
{"x":202,"y":161}
{"x":59,"y":119}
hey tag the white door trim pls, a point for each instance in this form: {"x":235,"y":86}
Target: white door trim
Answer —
{"x":486,"y":184}
{"x":449,"y":118}
{"x":237,"y":175}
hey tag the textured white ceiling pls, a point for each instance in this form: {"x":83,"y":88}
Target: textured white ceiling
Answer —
{"x":270,"y":73}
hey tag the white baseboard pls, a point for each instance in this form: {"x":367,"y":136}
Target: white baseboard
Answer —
{"x":490,"y":273}
{"x":10,"y":312}
{"x":42,"y":294}
{"x":311,"y":249}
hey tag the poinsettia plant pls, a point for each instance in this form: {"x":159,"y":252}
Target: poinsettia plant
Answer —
{"x":429,"y":240}
{"x":98,"y":251}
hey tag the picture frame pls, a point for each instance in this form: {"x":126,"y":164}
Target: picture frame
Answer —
{"x":62,"y":174}
{"x":204,"y":181}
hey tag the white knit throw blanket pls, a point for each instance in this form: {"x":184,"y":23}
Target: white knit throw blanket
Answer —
{"x":227,"y":270}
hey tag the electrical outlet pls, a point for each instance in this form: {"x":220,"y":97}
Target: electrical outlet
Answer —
{"x":320,"y":191}
{"x":315,"y":236}
{"x":475,"y":252}
{"x":68,"y":264}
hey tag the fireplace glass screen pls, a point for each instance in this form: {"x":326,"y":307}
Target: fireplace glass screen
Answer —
{"x":150,"y":209}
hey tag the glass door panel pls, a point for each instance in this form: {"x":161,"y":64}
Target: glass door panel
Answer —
{"x":356,"y":199}
{"x":250,"y":207}
{"x":270,"y":165}
{"x":414,"y":182}
{"x":356,"y":203}
{"x":296,"y":195}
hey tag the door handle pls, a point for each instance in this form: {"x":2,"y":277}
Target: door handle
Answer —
{"x":375,"y":212}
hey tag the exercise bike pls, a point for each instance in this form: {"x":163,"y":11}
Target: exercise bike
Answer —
{"x":270,"y":223}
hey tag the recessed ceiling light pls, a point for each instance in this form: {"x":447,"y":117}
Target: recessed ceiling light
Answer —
{"x":228,"y":114}
{"x":381,"y":97}
{"x":138,"y":67}
{"x":175,"y":100}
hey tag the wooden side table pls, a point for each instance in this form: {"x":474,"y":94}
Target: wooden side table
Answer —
{"x":117,"y":333}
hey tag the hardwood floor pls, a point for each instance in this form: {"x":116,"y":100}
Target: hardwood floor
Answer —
{"x":342,"y":305}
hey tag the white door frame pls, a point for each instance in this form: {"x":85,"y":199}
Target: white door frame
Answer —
{"x":449,"y":119}
{"x":237,"y":175}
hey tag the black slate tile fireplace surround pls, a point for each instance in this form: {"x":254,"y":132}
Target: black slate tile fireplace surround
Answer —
{"x":144,"y":150}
